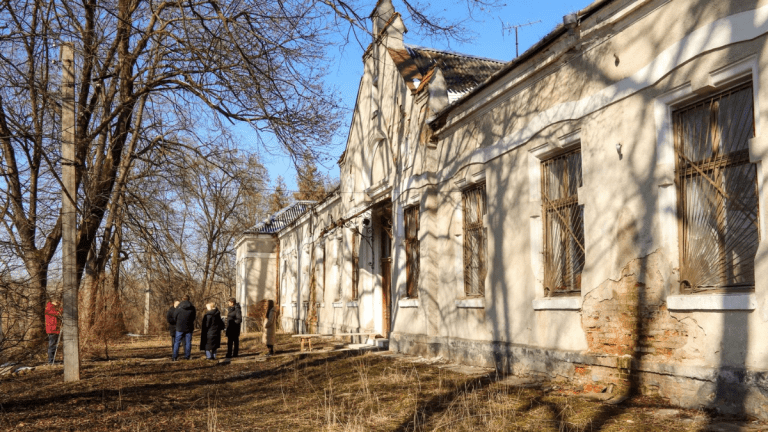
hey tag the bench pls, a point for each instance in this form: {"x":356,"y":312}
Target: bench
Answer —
{"x":309,"y":336}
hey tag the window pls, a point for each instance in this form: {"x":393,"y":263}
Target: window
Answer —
{"x":355,"y":264}
{"x":473,"y":200}
{"x":563,"y":222}
{"x":339,"y":267}
{"x":717,"y":193}
{"x":411,"y":216}
{"x":325,"y":268}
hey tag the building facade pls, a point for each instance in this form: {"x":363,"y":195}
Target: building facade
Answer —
{"x":590,"y":210}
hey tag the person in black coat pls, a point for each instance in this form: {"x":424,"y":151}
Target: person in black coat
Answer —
{"x":210,"y":332}
{"x":234,"y":318}
{"x":184,"y":316}
{"x":172,"y":322}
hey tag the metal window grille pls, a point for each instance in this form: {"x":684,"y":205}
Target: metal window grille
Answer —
{"x":717,"y":193}
{"x":475,"y":244}
{"x":339,"y":268}
{"x":325,"y":267}
{"x":355,"y":265}
{"x":564,"y":252}
{"x":411,"y":216}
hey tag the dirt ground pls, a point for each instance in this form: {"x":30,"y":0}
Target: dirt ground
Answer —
{"x":140,"y":389}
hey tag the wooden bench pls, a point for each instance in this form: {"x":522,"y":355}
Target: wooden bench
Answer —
{"x":309,"y":336}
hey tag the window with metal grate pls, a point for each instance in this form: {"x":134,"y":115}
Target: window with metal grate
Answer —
{"x":563,"y":224}
{"x":717,"y":193}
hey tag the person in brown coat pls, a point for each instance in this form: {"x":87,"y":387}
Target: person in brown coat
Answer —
{"x":270,"y":323}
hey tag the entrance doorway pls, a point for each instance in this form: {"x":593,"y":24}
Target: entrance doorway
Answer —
{"x":384,"y":223}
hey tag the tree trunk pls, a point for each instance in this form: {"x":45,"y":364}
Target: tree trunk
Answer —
{"x":38,"y":296}
{"x":117,"y":304}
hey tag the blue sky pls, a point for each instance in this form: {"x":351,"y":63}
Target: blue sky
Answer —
{"x":490,"y":42}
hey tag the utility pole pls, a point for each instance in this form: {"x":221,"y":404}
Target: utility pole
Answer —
{"x":506,"y":27}
{"x":149,"y":292}
{"x":70,"y":335}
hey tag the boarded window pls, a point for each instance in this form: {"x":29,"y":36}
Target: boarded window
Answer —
{"x":474,"y":241}
{"x":355,"y":264}
{"x":717,"y":193}
{"x":563,"y":224}
{"x":411,"y":216}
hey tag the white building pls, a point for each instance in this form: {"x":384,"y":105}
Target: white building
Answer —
{"x":589,"y":210}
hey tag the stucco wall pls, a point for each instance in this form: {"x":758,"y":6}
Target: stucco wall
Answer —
{"x":606,"y":86}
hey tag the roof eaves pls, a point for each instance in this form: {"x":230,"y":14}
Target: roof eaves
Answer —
{"x":558,"y":31}
{"x":525,"y":56}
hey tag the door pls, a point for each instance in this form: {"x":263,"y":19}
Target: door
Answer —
{"x":385,"y":266}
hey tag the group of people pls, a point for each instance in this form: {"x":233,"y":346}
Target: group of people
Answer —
{"x":181,"y":323}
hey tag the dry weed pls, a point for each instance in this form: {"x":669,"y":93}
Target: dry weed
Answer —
{"x":300,"y":392}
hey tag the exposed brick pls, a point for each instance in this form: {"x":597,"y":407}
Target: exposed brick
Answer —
{"x":634,"y":320}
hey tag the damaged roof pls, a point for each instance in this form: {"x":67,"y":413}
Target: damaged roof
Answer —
{"x":462,"y":72}
{"x":281,"y":219}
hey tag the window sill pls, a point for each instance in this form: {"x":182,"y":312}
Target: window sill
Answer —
{"x":471,"y":303}
{"x":408,"y":303}
{"x":712,"y":302}
{"x":557,"y":303}
{"x":338,"y":304}
{"x":352,"y":304}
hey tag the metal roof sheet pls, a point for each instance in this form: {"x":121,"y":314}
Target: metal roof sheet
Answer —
{"x":281,"y":219}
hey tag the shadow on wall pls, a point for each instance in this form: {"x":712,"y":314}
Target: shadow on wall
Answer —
{"x":628,"y":317}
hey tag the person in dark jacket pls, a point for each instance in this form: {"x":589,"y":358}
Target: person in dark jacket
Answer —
{"x":172,"y":322}
{"x":185,"y":324}
{"x":234,"y":318}
{"x":210,"y":333}
{"x":52,"y":328}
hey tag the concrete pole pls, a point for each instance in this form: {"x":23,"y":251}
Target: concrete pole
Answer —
{"x":146,"y":312}
{"x":70,"y":335}
{"x":146,"y":302}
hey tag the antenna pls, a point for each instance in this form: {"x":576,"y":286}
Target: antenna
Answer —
{"x":508,"y":27}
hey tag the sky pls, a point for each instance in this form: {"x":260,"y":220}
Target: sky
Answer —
{"x":490,"y":42}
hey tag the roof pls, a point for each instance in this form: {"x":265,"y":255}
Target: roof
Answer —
{"x":281,"y":219}
{"x":462,"y":72}
{"x":527,"y":55}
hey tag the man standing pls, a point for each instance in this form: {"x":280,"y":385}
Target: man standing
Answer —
{"x":185,"y":324}
{"x":52,"y":328}
{"x":234,"y":318}
{"x":172,"y":322}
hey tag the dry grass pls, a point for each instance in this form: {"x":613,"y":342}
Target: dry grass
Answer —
{"x":326,"y":390}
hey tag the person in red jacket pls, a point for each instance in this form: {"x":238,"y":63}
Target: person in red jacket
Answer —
{"x":52,"y":327}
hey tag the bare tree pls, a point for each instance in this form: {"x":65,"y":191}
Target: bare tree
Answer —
{"x":251,"y":62}
{"x":146,"y":71}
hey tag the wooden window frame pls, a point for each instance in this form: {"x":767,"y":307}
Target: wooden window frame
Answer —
{"x":475,"y":256}
{"x":339,"y":267}
{"x":355,"y":265}
{"x":412,"y":252}
{"x":564,"y":257}
{"x":695,"y":225}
